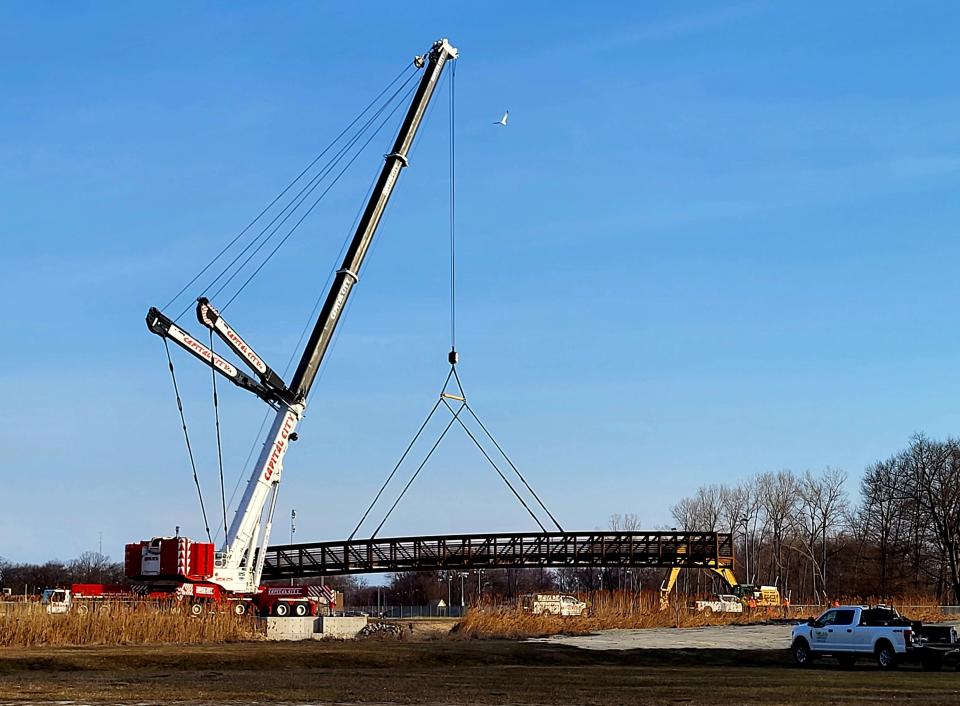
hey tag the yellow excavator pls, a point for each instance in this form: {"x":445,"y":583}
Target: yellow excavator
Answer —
{"x":751,"y":596}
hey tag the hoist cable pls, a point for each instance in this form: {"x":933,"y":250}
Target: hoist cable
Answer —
{"x":309,"y":210}
{"x":291,"y":207}
{"x":216,"y":417}
{"x":395,"y":469}
{"x":285,"y":189}
{"x":492,"y":463}
{"x":186,"y":437}
{"x":453,"y":193}
{"x":419,"y":468}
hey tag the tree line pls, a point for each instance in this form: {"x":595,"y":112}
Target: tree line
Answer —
{"x":899,"y":536}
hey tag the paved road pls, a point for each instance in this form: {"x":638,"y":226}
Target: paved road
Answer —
{"x":725,"y":637}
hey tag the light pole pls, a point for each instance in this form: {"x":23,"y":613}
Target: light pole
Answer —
{"x":479,"y":587}
{"x":293,"y":529}
{"x":746,"y":544}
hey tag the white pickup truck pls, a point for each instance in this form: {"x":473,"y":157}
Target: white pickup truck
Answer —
{"x":852,"y":631}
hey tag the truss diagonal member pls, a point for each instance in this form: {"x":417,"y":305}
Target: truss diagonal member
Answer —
{"x":456,"y":417}
{"x":513,"y":466}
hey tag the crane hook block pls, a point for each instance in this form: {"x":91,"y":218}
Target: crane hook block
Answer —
{"x":453,"y":357}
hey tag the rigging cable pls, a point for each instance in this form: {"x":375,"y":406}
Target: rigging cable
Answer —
{"x":186,"y":436}
{"x":303,"y":333}
{"x":291,"y":207}
{"x":216,"y":417}
{"x":456,"y":417}
{"x":417,"y":472}
{"x":309,"y":210}
{"x":285,"y":190}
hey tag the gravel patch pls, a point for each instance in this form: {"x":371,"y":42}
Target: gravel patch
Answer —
{"x":723,"y":637}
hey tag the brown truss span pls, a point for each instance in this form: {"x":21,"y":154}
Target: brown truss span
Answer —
{"x":501,"y":551}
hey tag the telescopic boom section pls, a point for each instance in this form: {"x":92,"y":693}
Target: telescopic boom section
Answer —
{"x":349,"y":271}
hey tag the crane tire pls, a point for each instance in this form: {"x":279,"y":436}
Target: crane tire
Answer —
{"x":301,"y":609}
{"x":281,"y":610}
{"x":196,"y":609}
{"x":240,"y":608}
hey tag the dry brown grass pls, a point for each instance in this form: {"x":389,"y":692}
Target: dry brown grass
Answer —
{"x":642,"y":610}
{"x":121,"y":625}
{"x":606,"y":611}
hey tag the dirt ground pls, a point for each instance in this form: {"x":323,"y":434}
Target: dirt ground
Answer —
{"x":448,"y":672}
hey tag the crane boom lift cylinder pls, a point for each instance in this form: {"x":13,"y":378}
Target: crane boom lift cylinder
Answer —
{"x":208,"y":315}
{"x":164,"y":327}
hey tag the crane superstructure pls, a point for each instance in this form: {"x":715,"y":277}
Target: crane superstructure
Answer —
{"x":237,"y":568}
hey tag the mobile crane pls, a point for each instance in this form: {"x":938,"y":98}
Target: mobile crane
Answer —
{"x":195,"y":569}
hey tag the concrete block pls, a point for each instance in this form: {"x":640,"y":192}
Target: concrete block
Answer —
{"x":339,"y":627}
{"x":289,"y":628}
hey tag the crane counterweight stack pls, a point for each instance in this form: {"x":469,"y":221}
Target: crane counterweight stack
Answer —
{"x":237,"y":569}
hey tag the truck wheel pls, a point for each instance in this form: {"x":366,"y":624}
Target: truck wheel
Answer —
{"x":300,"y":609}
{"x":847,"y":661}
{"x":196,"y":609}
{"x":802,"y":655}
{"x":281,"y":610}
{"x":886,"y":657}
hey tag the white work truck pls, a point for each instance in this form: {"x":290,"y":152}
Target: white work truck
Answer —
{"x":553,"y":604}
{"x":723,"y":603}
{"x":852,"y":631}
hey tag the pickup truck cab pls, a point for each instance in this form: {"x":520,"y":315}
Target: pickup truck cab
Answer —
{"x":849,"y":632}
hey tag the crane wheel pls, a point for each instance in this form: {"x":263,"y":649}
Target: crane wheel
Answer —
{"x":240,"y":608}
{"x":281,"y":610}
{"x":301,"y":609}
{"x":196,"y":609}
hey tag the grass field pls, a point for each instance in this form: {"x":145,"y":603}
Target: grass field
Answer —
{"x":448,"y":672}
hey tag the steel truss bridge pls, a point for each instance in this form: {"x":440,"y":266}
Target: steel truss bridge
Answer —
{"x":501,"y":551}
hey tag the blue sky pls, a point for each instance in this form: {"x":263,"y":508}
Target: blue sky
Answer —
{"x":712,"y":241}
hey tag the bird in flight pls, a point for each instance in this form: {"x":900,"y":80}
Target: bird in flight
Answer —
{"x":503,"y":120}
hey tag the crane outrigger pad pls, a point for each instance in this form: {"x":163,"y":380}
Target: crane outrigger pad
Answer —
{"x":501,"y":551}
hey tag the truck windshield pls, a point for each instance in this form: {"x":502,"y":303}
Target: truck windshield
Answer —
{"x":836,"y":617}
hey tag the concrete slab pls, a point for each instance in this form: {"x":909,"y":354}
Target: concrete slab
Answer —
{"x":343,"y":627}
{"x":723,"y":637}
